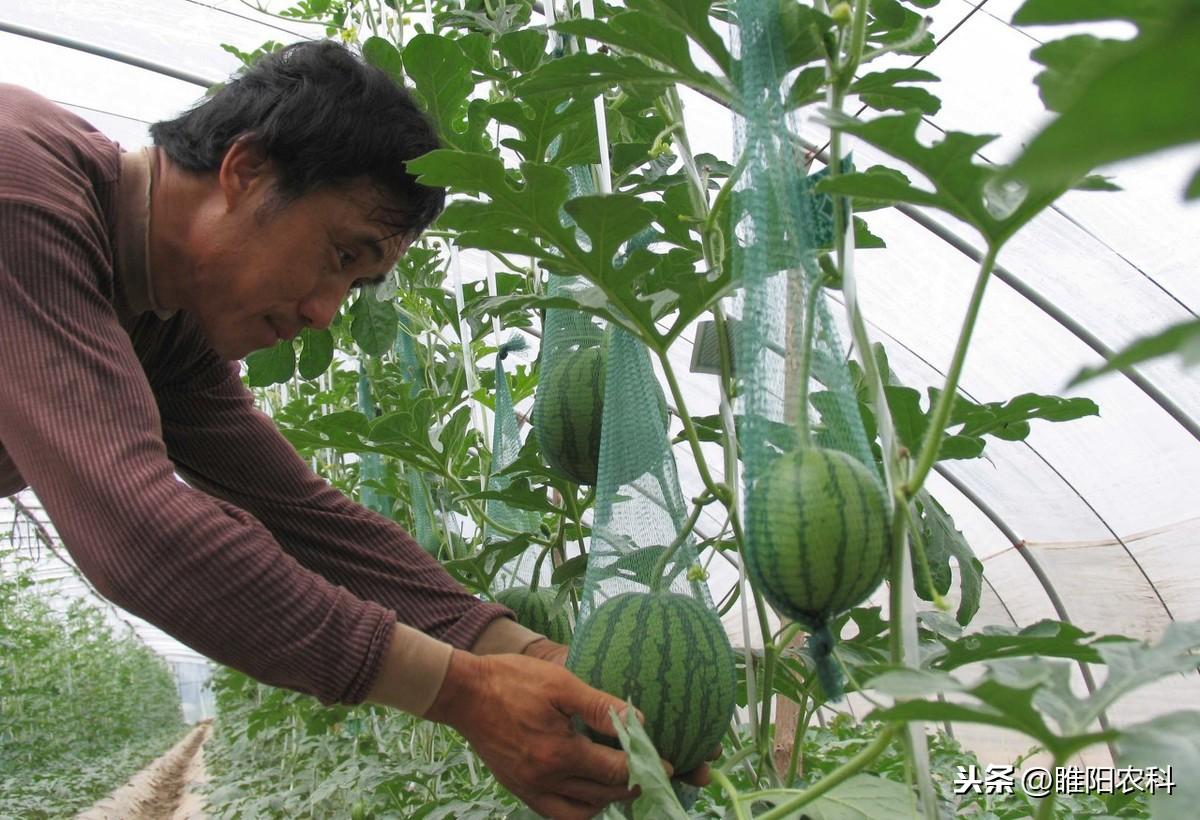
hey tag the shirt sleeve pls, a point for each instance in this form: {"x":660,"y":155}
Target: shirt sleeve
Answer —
{"x":80,"y":422}
{"x":222,"y":444}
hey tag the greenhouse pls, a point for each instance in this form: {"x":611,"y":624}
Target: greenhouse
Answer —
{"x":397,"y":392}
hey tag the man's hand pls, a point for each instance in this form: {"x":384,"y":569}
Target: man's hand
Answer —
{"x":515,"y":711}
{"x":548,"y":650}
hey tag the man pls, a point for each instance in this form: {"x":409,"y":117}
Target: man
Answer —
{"x":130,"y":283}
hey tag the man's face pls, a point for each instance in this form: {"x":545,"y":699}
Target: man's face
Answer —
{"x":267,"y":271}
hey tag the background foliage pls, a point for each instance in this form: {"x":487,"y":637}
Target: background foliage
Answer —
{"x":81,"y":707}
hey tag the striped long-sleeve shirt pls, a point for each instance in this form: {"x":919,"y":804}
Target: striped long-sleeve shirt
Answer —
{"x":255,"y":561}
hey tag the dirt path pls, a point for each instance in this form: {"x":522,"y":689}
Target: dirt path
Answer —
{"x":160,"y":791}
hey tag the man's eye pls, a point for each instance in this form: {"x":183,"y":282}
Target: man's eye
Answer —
{"x":345,"y":257}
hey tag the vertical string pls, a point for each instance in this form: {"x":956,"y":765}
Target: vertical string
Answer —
{"x":478,"y":417}
{"x":601,"y":115}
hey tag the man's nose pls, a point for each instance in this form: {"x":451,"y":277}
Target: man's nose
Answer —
{"x":319,"y":307}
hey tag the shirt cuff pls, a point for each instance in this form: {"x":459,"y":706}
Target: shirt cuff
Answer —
{"x":426,"y":659}
{"x":502,"y":636}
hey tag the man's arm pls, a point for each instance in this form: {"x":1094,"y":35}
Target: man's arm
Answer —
{"x":220,"y":443}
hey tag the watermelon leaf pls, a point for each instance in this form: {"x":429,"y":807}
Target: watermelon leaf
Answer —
{"x":373,"y":324}
{"x":694,"y":18}
{"x":524,"y":48}
{"x":383,"y":55}
{"x":1131,"y":665}
{"x":1010,"y":420}
{"x":542,"y":120}
{"x":520,"y":495}
{"x":1168,"y":742}
{"x":441,"y":75}
{"x":479,"y":570}
{"x":657,"y":798}
{"x":1046,"y":638}
{"x":273,"y":365}
{"x":1183,"y":338}
{"x":1106,"y":114}
{"x":861,"y":797}
{"x":316,"y":354}
{"x":944,"y":541}
{"x":882,"y":90}
{"x":648,"y":35}
{"x":963,"y":188}
{"x":1004,"y":697}
{"x":586,"y":75}
{"x":570,"y":569}
{"x":1015,"y":693}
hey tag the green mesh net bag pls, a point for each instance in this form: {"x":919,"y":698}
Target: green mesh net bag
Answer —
{"x":816,"y":512}
{"x":647,"y":629}
{"x":506,"y":446}
{"x":371,"y":468}
{"x":566,"y":408}
{"x":420,"y":496}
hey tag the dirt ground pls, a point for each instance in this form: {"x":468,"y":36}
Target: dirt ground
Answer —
{"x":163,"y":790}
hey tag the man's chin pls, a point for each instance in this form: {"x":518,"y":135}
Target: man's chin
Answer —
{"x":233,"y":352}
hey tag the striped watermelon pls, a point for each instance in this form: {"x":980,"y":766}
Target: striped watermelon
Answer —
{"x":570,"y":411}
{"x":538,"y":610}
{"x":568,"y":419}
{"x":668,"y":654}
{"x":818,"y":534}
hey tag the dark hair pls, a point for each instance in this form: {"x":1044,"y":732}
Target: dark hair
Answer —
{"x":323,"y":117}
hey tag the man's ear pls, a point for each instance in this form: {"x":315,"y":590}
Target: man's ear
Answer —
{"x":244,"y":170}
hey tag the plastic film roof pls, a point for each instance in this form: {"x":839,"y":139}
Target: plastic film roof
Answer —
{"x":1108,"y":507}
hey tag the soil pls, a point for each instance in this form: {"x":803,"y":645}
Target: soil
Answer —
{"x":161,"y":790}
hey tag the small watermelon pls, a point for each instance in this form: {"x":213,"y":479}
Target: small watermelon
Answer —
{"x":568,"y":420}
{"x":668,"y":654}
{"x":819,"y":537}
{"x":538,"y":610}
{"x":571,"y":399}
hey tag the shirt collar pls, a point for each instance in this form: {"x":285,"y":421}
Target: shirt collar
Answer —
{"x":138,"y":172}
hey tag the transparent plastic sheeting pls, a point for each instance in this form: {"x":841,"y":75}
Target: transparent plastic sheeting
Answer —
{"x":1107,"y":505}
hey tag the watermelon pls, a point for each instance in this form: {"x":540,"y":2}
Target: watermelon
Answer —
{"x":538,"y":610}
{"x":819,"y":540}
{"x":571,"y":399}
{"x":667,"y":654}
{"x":568,"y":418}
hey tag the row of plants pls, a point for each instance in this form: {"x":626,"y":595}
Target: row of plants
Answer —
{"x":277,"y":754}
{"x":513,"y":95}
{"x":82,"y":706}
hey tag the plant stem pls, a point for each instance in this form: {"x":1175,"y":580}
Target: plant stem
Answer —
{"x":535,"y":580}
{"x":835,"y":778}
{"x":661,"y":566}
{"x":689,"y":429}
{"x":1046,"y":807}
{"x":734,"y":796}
{"x":576,"y":516}
{"x":945,"y":402}
{"x":896,"y":589}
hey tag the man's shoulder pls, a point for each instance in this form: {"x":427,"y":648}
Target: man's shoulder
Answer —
{"x":49,"y":154}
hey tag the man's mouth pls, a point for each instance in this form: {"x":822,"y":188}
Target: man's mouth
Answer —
{"x":281,"y":333}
